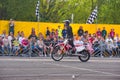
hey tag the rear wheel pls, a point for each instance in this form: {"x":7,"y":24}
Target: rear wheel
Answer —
{"x":85,"y":56}
{"x":57,"y":54}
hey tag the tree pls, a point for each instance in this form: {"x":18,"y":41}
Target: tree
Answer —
{"x":59,"y":10}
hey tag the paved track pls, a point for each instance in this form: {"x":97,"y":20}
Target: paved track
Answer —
{"x":40,"y":68}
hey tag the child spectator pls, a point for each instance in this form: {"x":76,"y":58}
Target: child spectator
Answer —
{"x":25,"y":42}
{"x":90,"y":38}
{"x":53,"y":32}
{"x":99,"y":33}
{"x":16,"y":46}
{"x":104,"y":33}
{"x":112,"y":33}
{"x":59,"y":32}
{"x":21,"y":38}
{"x":3,"y":34}
{"x":18,"y":35}
{"x":56,"y":33}
{"x":47,"y":32}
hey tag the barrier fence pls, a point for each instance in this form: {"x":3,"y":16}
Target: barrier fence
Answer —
{"x":100,"y":50}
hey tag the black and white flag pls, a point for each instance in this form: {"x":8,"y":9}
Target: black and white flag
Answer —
{"x":37,"y":10}
{"x":93,"y":16}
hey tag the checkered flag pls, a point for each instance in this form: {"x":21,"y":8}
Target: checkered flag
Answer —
{"x":93,"y":16}
{"x":37,"y":10}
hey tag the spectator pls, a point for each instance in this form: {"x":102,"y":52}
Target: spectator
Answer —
{"x":1,"y":46}
{"x":109,"y":40}
{"x":84,"y":37}
{"x":33,"y":43}
{"x":59,"y":32}
{"x":40,"y":36}
{"x":118,"y":44}
{"x":18,"y":35}
{"x":99,"y":33}
{"x":117,"y":38}
{"x":102,"y":45}
{"x":24,"y":46}
{"x":47,"y":46}
{"x":6,"y":43}
{"x":4,"y":34}
{"x":110,"y":45}
{"x":78,"y":43}
{"x":104,"y":33}
{"x":47,"y":32}
{"x":64,"y":32}
{"x":86,"y":34}
{"x":40,"y":46}
{"x":21,"y":38}
{"x":91,"y":38}
{"x":54,"y":41}
{"x":16,"y":46}
{"x":89,"y":47}
{"x":10,"y":39}
{"x":56,"y":33}
{"x":11,"y":26}
{"x":80,"y":31}
{"x":25,"y":43}
{"x":32,"y":35}
{"x":53,"y":31}
{"x":52,"y":34}
{"x":112,"y":33}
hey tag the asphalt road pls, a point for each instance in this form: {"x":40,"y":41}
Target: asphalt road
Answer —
{"x":41,"y":68}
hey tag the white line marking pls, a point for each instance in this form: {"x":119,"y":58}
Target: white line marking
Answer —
{"x":50,"y":75}
{"x":85,"y":69}
{"x":62,"y":60}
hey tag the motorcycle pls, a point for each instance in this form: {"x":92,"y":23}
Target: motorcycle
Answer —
{"x":64,"y":49}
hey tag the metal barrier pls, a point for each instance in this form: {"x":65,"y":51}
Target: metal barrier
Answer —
{"x":100,"y":50}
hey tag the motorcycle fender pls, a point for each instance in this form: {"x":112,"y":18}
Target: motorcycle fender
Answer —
{"x":79,"y":49}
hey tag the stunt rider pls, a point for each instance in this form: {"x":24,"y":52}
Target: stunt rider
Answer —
{"x":69,"y":34}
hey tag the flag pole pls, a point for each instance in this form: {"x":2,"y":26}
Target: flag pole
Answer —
{"x":72,"y":17}
{"x":37,"y":13}
{"x":97,"y":16}
{"x":97,"y":19}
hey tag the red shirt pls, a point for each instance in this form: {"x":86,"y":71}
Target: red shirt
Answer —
{"x":112,"y":33}
{"x":98,"y":33}
{"x":1,"y":43}
{"x":25,"y":42}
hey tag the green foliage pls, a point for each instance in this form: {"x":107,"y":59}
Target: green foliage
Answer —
{"x":59,"y":10}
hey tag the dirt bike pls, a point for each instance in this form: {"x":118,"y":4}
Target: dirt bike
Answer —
{"x":64,"y":49}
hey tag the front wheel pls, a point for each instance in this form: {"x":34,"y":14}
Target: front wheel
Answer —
{"x":85,"y":56}
{"x":57,"y":54}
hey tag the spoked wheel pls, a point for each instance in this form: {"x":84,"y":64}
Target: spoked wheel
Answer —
{"x":85,"y":56}
{"x":57,"y":54}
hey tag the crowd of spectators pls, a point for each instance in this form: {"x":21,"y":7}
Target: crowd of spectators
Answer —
{"x":13,"y":44}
